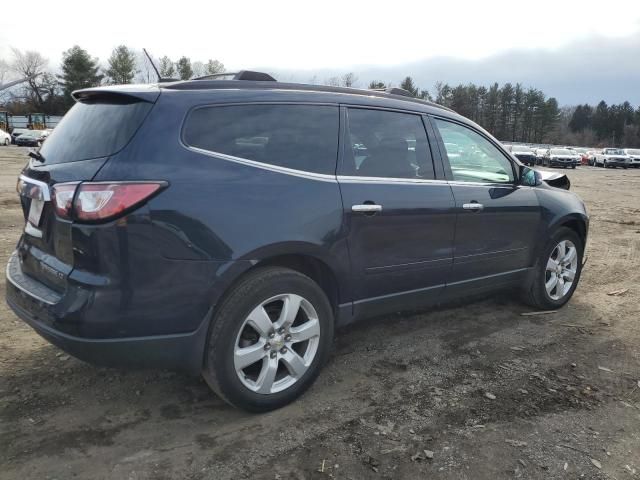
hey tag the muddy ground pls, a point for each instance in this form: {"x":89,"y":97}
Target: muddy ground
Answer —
{"x":487,"y":392}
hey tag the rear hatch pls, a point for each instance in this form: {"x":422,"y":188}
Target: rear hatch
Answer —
{"x":100,"y":124}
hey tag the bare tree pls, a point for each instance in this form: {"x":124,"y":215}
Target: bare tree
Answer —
{"x":214,"y":66}
{"x":349,"y":80}
{"x":332,"y":81}
{"x":31,"y":65}
{"x":199,"y":69}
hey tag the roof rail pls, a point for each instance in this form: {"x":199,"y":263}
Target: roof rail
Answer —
{"x":395,"y":91}
{"x":241,"y":75}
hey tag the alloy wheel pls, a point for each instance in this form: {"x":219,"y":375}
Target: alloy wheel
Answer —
{"x":561,"y":269}
{"x":276,"y":344}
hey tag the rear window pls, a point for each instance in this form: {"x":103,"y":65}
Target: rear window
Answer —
{"x":96,"y":129}
{"x":302,"y":137}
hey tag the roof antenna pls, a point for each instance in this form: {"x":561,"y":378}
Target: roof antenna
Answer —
{"x":152,"y":64}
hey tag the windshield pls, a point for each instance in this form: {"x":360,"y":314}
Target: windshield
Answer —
{"x":518,"y":148}
{"x":615,"y":151}
{"x":95,"y":129}
{"x":633,"y":151}
{"x":561,"y":151}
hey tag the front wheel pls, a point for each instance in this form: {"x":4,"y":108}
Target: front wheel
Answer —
{"x":557,"y":271}
{"x":269,"y":339}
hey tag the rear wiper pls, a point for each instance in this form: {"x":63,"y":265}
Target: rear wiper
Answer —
{"x":36,"y":155}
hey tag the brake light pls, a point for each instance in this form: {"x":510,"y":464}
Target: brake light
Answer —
{"x":63,"y":198}
{"x":90,"y":202}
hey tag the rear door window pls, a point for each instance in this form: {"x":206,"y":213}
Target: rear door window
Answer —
{"x":386,"y":144}
{"x":94,"y":129}
{"x":301,"y":137}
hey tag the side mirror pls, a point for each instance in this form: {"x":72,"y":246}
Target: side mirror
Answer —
{"x":530,"y":177}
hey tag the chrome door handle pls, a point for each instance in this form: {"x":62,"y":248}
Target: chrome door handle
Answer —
{"x":366,"y":208}
{"x":473,"y":206}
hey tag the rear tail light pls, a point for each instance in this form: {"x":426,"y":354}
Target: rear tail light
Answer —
{"x":63,"y":198}
{"x":91,"y":202}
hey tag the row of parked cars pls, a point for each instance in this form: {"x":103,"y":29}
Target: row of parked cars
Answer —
{"x":570,"y":157}
{"x":24,"y":137}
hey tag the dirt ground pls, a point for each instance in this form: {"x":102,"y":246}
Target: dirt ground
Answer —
{"x":475,"y":391}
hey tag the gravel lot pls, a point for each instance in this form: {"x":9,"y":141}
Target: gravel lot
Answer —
{"x":475,"y":391}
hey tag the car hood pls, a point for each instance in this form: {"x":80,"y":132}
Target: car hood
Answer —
{"x":555,"y":179}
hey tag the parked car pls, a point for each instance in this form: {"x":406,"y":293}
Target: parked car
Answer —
{"x":5,"y":138}
{"x":634,"y":156}
{"x":31,"y":138}
{"x":524,"y":154}
{"x":591,"y":157}
{"x":562,"y":157}
{"x":612,"y":158}
{"x":16,"y":132}
{"x":220,"y":230}
{"x":584,"y":155}
{"x":540,"y":155}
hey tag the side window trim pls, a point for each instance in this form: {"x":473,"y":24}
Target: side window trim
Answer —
{"x":439,"y":164}
{"x":445,"y":158}
{"x":342,"y":171}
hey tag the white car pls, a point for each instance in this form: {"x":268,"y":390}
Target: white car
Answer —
{"x":5,"y":138}
{"x":634,"y":156}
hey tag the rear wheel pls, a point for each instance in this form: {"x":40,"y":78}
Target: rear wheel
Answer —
{"x":269,"y":339}
{"x":557,"y":272}
{"x":6,"y":142}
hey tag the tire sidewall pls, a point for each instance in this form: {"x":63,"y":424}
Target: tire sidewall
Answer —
{"x":559,"y":235}
{"x":228,"y":323}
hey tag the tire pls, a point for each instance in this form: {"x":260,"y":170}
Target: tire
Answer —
{"x":535,"y":293}
{"x":6,"y":142}
{"x":573,"y":167}
{"x":230,"y":326}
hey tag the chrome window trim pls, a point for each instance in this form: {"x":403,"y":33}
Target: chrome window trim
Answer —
{"x":265,"y":166}
{"x":388,"y":180}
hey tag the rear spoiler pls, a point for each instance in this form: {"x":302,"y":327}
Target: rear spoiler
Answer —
{"x":145,"y":93}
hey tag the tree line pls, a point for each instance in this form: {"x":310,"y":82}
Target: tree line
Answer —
{"x":510,"y":112}
{"x":615,"y":125}
{"x":49,"y":93}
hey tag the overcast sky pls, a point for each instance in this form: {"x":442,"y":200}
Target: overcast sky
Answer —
{"x":451,"y":41}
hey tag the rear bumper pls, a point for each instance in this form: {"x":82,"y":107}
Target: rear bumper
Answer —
{"x":39,"y":307}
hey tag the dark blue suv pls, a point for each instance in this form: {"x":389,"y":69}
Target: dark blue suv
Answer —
{"x":226,"y":227}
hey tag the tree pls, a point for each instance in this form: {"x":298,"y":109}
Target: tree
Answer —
{"x":167,"y":68}
{"x":214,"y":66}
{"x":332,"y":82}
{"x":374,"y":84}
{"x":581,"y":118}
{"x":184,"y":68}
{"x":79,"y":70}
{"x":198,"y":69}
{"x":408,"y":85}
{"x":349,"y":80}
{"x":30,"y":65}
{"x":122,"y":65}
{"x":600,"y":120}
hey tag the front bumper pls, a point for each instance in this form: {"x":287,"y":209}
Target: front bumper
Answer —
{"x":41,"y":307}
{"x":563,"y":163}
{"x":618,"y":162}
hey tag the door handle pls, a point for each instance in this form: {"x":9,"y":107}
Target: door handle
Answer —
{"x":367,"y":208}
{"x":473,"y":206}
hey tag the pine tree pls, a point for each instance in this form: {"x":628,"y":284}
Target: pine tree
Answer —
{"x":408,"y":85}
{"x":79,"y":70}
{"x":167,"y":68}
{"x":184,"y":68}
{"x":122,"y":65}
